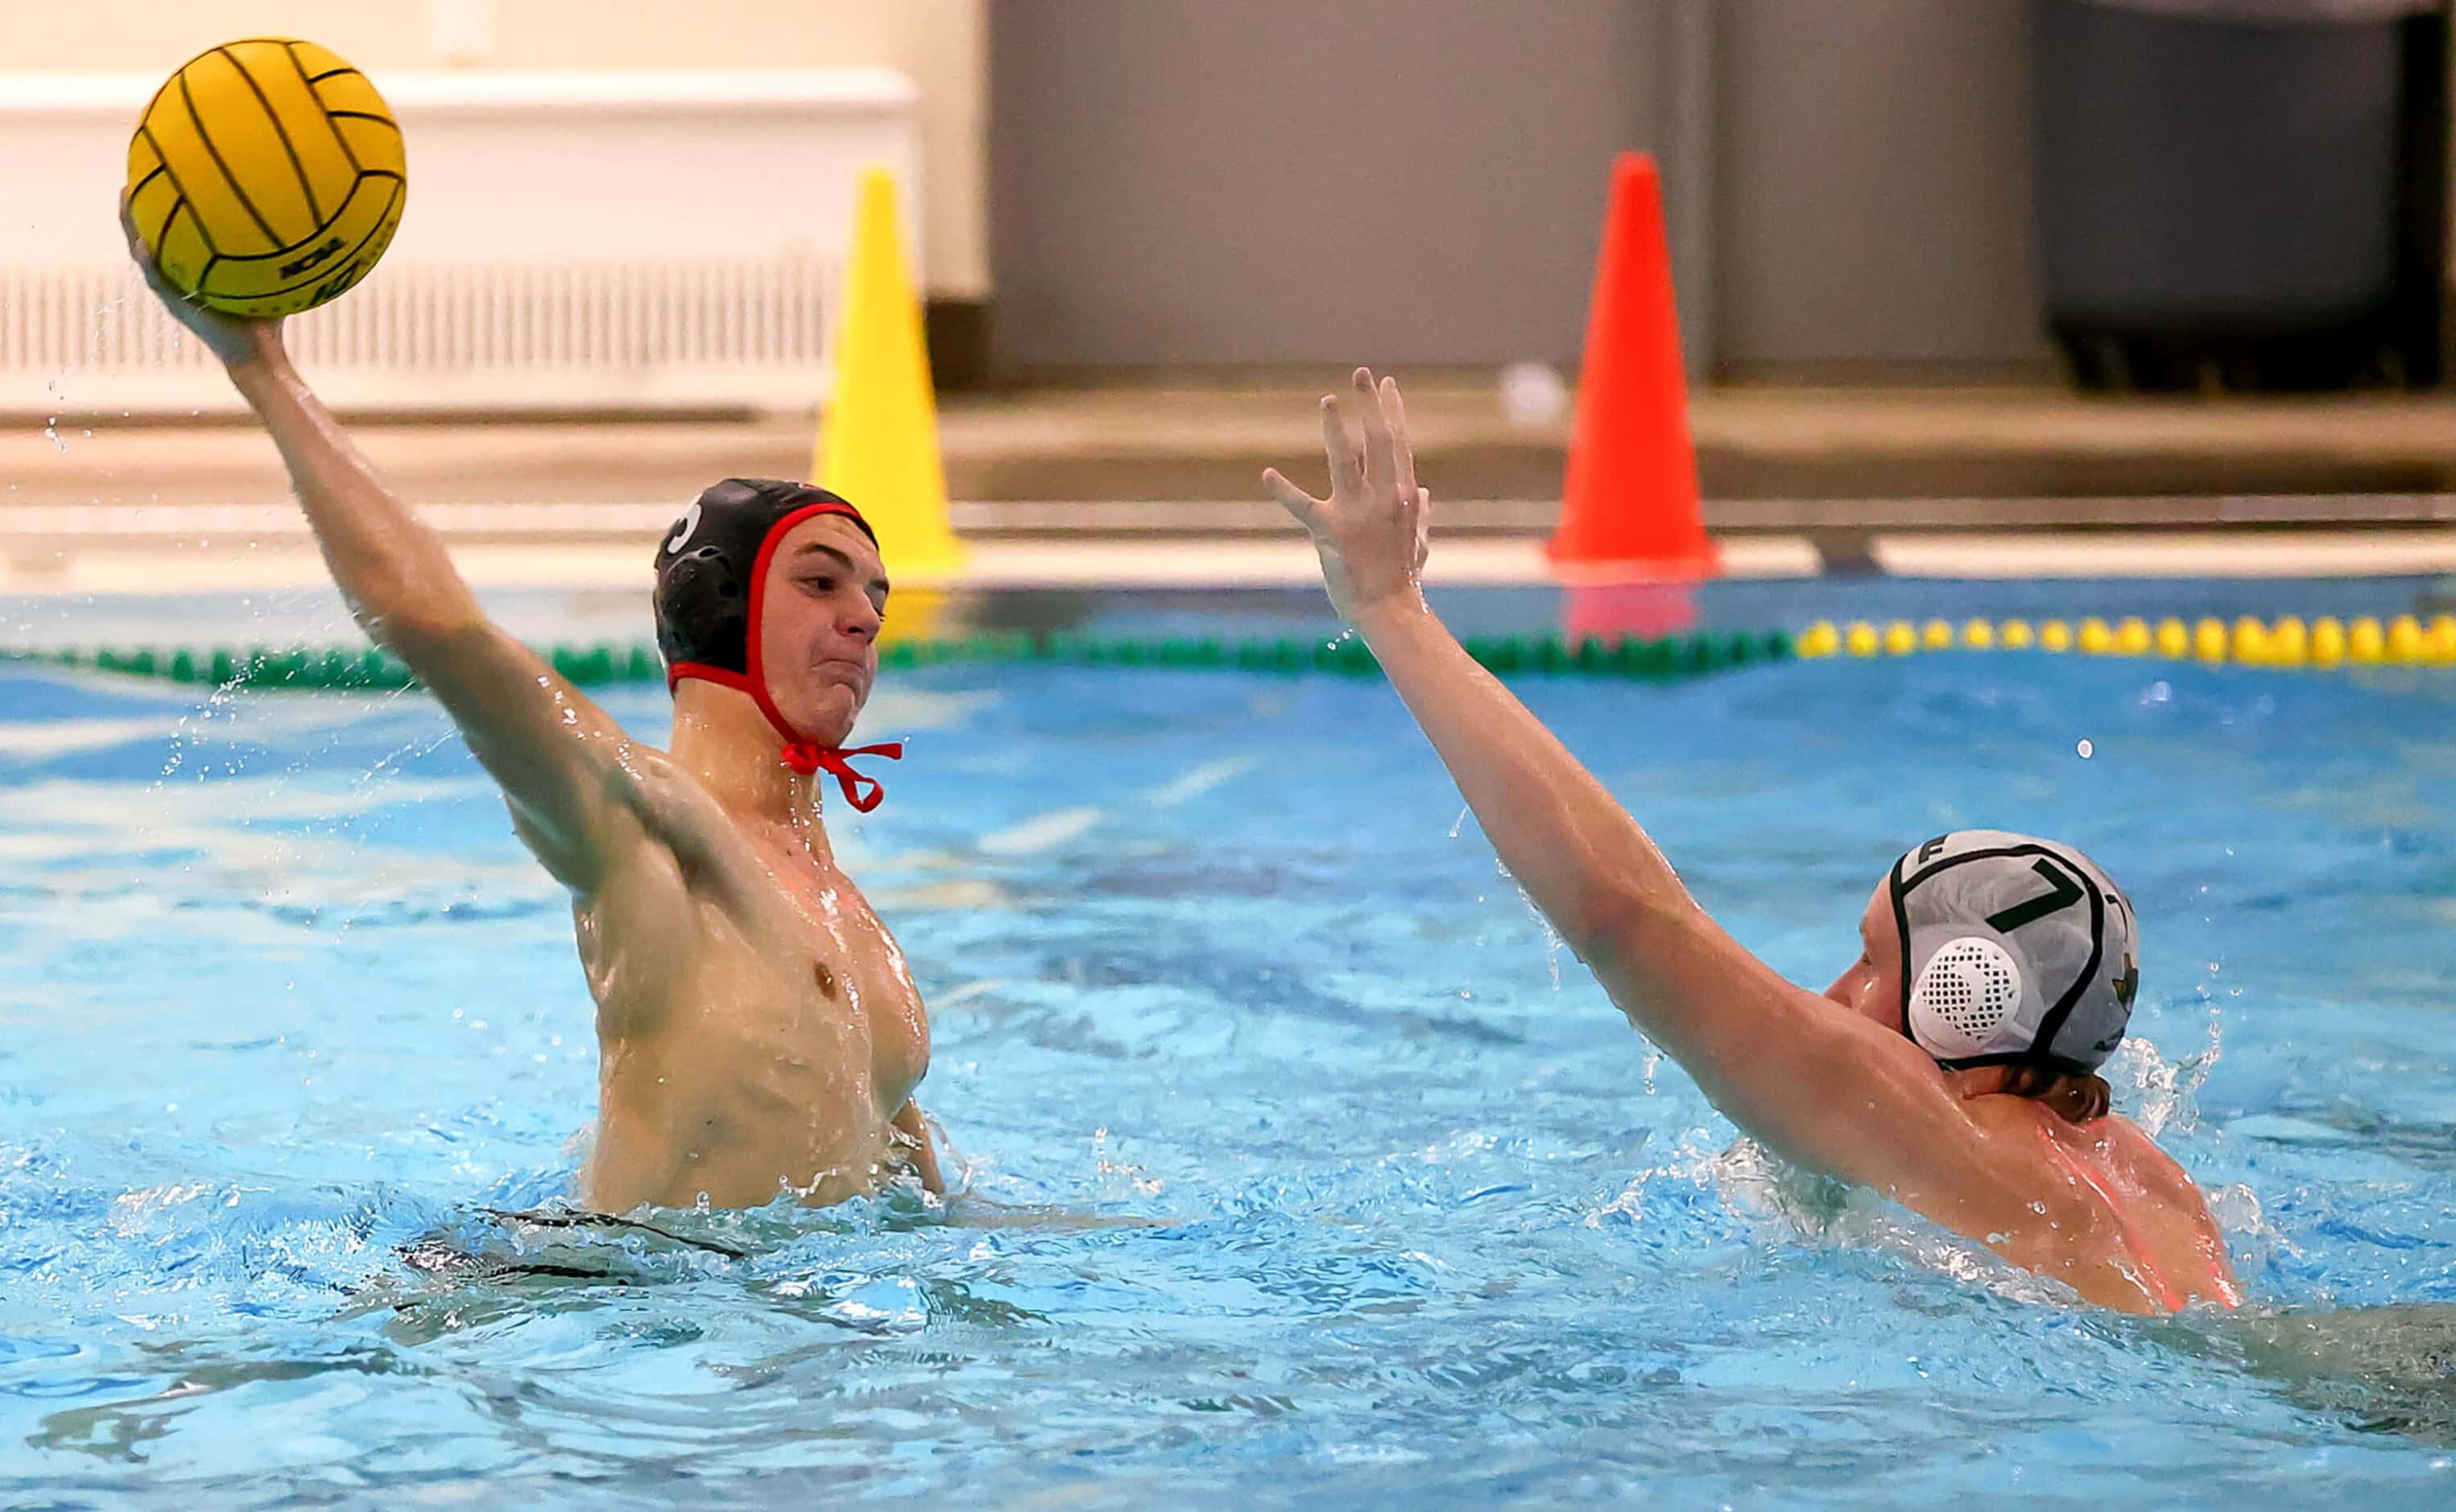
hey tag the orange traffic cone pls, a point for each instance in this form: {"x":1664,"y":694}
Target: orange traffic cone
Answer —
{"x":1628,"y":506}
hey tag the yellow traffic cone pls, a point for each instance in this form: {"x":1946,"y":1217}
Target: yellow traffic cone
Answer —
{"x":878,"y":445}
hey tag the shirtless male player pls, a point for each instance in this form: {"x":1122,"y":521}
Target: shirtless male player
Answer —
{"x":758,"y":1032}
{"x":1951,"y":1068}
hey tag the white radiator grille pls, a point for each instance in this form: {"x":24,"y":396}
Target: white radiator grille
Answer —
{"x":716,"y":333}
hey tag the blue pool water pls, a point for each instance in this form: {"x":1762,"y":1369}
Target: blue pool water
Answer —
{"x":1299,"y":1165}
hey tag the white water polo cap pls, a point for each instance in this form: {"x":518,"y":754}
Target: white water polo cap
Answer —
{"x":2013,"y":949}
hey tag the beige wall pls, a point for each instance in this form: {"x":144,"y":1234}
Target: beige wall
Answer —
{"x":1848,"y":181}
{"x":938,"y":43}
{"x":1872,"y":198}
{"x":1247,"y":209}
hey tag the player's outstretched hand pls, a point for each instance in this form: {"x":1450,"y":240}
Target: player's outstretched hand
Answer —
{"x":1370,"y":532}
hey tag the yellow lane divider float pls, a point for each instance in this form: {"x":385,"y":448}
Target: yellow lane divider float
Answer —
{"x":2248,"y":641}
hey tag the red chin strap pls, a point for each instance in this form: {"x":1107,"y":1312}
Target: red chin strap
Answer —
{"x":862,"y":790}
{"x":805,"y":756}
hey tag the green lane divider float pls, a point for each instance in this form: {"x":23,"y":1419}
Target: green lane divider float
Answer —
{"x":366,"y":667}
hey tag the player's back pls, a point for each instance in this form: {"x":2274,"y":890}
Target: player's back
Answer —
{"x":2116,"y":1217}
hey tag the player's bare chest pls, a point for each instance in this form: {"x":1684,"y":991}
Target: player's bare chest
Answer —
{"x":824,"y":932}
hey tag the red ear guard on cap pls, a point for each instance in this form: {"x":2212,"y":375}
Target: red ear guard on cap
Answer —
{"x":711,"y":585}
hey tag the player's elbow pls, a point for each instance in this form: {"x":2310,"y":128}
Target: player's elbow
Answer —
{"x":416,"y":632}
{"x":1619,"y":928}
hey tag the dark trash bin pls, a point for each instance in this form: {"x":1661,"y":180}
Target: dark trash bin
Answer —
{"x":2242,"y":193}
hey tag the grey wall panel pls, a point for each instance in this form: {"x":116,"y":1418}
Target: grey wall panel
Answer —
{"x":1872,"y":192}
{"x":1187,"y":182}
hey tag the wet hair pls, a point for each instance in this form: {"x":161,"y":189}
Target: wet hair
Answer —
{"x":2074,"y":1097}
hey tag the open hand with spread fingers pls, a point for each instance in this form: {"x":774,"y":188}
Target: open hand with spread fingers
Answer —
{"x":1371,"y":531}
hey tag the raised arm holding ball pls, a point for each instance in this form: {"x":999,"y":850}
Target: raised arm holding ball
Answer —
{"x":759,"y":1032}
{"x":1951,"y":1068}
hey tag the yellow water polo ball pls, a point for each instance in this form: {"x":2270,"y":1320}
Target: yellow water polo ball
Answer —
{"x":266,"y":177}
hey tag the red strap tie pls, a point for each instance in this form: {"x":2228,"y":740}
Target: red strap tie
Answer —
{"x":862,"y":790}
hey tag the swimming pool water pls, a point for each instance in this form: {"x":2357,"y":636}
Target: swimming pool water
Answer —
{"x":1297,"y":1164}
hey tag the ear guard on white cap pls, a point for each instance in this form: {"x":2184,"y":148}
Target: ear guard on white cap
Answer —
{"x":1971,"y":989}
